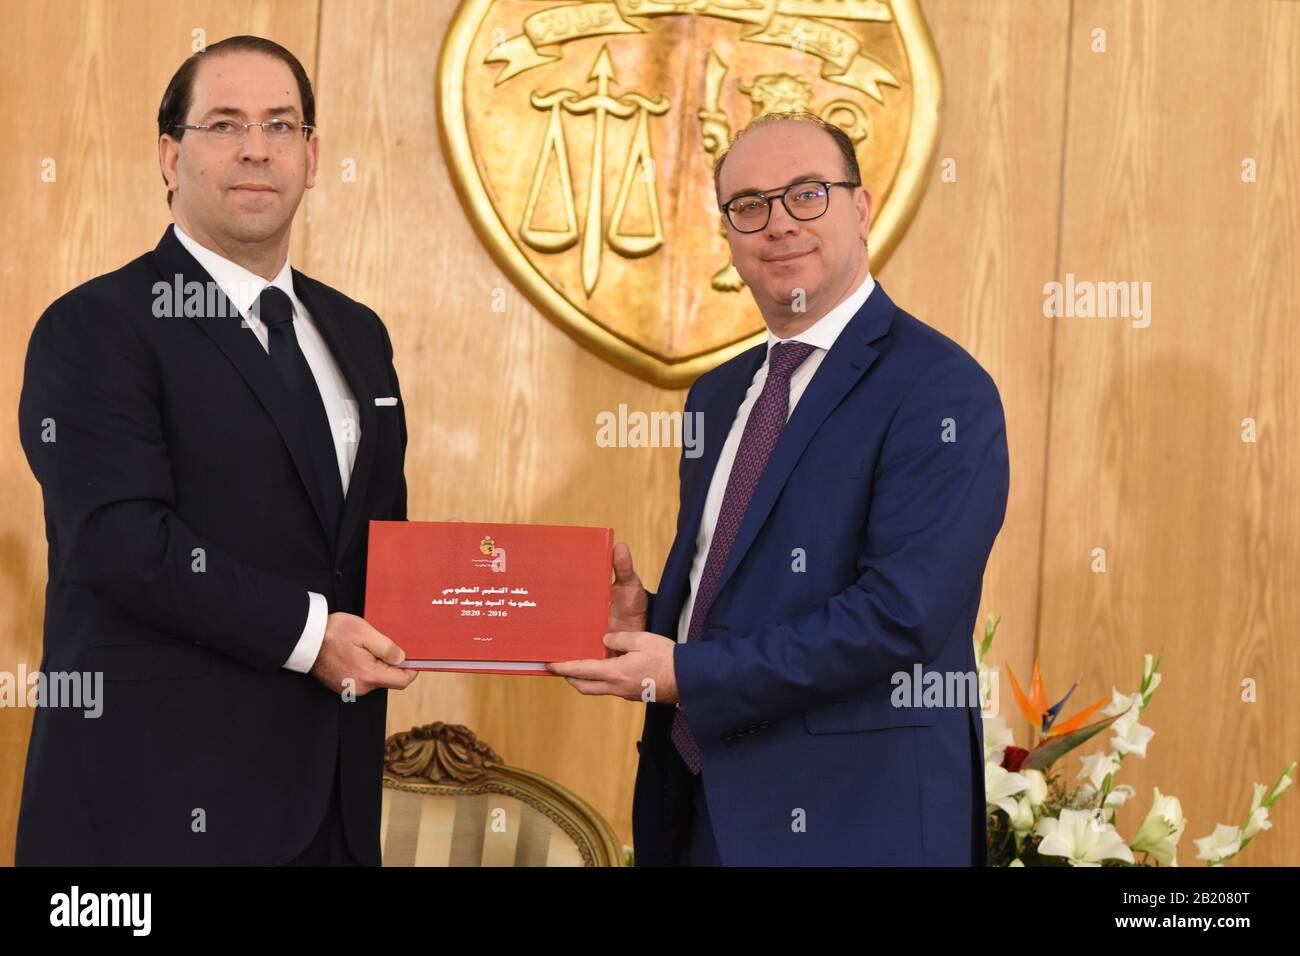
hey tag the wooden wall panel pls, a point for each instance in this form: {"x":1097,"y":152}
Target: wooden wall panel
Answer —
{"x":1123,"y":165}
{"x":1146,"y":457}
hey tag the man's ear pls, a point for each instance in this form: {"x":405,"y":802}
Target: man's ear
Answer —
{"x":864,"y":203}
{"x":313,"y":157}
{"x":168,"y":156}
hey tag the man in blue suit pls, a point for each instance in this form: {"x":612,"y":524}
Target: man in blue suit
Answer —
{"x":830,"y":550}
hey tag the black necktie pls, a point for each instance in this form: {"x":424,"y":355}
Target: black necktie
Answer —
{"x":276,"y":311}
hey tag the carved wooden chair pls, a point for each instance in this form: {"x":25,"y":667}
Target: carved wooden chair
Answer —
{"x":449,"y":800}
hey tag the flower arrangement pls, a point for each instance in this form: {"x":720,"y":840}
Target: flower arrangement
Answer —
{"x":1035,"y":818}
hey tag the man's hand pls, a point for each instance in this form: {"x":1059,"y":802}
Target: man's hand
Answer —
{"x":353,"y":649}
{"x":627,"y":598}
{"x":642,"y":669}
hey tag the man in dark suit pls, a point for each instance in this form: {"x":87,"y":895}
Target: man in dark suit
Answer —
{"x":830,"y":549}
{"x":212,"y":431}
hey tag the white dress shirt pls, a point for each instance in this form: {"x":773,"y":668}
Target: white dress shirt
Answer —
{"x":822,"y":335}
{"x":242,"y":288}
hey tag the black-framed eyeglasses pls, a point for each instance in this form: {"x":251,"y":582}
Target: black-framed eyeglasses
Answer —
{"x":750,"y":212}
{"x":280,"y":132}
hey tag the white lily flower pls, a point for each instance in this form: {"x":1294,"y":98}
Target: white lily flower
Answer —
{"x":1134,"y":738}
{"x":1148,"y":665}
{"x":1129,"y":705}
{"x":1161,"y":830}
{"x":1280,"y":788}
{"x":1001,"y":787}
{"x":997,"y":738}
{"x":1082,"y":837}
{"x":1118,"y":702}
{"x":1120,"y":795}
{"x":1222,"y":843}
{"x":1257,"y":797}
{"x":1095,"y":768}
{"x":1016,"y":862}
{"x":1037,"y":790}
{"x":1022,"y":819}
{"x":1257,"y":821}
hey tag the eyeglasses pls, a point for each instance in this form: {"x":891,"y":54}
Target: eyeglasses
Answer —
{"x":279,"y":132}
{"x":750,"y":212}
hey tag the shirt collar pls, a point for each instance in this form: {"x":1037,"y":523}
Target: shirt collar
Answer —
{"x":240,"y":286}
{"x":823,"y":333}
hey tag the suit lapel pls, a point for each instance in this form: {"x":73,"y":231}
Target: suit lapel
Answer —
{"x":334,"y":331}
{"x":719,"y":413}
{"x":241,"y":347}
{"x":846,"y":363}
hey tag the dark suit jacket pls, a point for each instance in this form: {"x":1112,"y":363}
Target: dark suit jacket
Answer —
{"x":185,"y":530}
{"x":806,"y":760}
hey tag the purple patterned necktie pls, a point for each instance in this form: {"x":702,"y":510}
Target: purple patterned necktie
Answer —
{"x":766,"y":419}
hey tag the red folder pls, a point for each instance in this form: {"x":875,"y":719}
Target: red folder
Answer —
{"x":489,"y":598}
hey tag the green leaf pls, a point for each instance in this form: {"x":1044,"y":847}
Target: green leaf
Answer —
{"x":990,"y":628}
{"x":1053,"y":748}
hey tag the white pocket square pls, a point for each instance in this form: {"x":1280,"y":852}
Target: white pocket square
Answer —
{"x":392,"y":400}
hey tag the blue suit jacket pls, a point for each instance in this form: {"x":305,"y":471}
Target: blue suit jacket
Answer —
{"x":890,"y":479}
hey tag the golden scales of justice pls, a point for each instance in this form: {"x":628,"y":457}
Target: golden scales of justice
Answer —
{"x":600,"y":104}
{"x":640,"y":78}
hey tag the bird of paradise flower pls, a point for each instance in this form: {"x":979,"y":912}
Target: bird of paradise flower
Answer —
{"x":1057,"y":739}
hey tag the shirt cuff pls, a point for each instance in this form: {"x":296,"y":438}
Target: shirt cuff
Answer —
{"x":313,"y":634}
